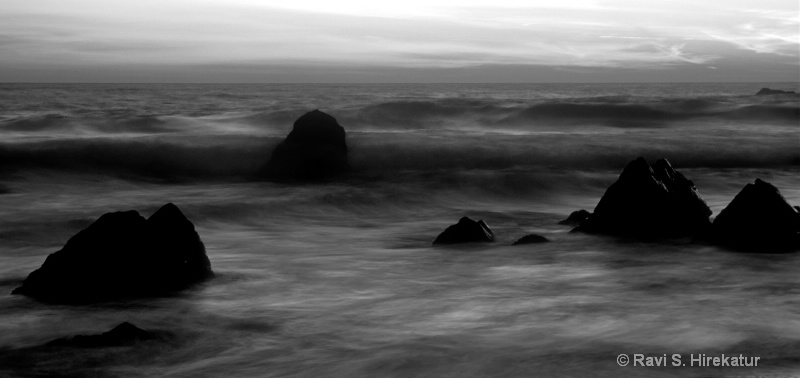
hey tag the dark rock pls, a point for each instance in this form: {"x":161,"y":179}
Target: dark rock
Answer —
{"x":576,"y":218}
{"x":531,"y":239}
{"x":649,"y":202}
{"x":92,"y":355}
{"x":465,"y":231}
{"x":767,"y":91}
{"x":123,"y":255}
{"x":758,"y":219}
{"x":314,"y":149}
{"x":123,"y":334}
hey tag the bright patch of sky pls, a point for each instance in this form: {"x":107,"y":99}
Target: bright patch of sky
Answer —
{"x":761,"y":36}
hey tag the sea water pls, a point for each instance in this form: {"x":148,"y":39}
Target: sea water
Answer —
{"x":340,"y":279}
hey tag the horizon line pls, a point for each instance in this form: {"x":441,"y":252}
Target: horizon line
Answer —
{"x":401,"y":82}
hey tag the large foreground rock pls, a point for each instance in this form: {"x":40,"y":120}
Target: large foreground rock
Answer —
{"x":758,"y":219}
{"x":314,"y":149}
{"x":649,"y":202}
{"x":465,"y":231}
{"x":123,"y":255}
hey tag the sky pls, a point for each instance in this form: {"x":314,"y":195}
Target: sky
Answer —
{"x":400,"y":41}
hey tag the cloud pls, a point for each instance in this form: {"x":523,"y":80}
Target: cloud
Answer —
{"x":413,"y":34}
{"x":772,"y":33}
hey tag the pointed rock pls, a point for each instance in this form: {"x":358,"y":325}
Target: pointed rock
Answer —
{"x":465,"y":231}
{"x":314,"y":149}
{"x":649,"y":202}
{"x":171,"y":231}
{"x":758,"y":219}
{"x":576,"y":218}
{"x":531,"y":239}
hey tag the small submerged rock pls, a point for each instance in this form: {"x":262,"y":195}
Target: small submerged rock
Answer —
{"x":122,"y":255}
{"x":758,"y":219}
{"x":531,"y":239}
{"x":466,"y":231}
{"x":576,"y":218}
{"x":121,"y":335}
{"x":768,"y":91}
{"x":649,"y":201}
{"x":93,"y":355}
{"x":315,"y":149}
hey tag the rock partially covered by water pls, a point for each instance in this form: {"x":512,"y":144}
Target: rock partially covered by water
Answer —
{"x":121,"y":335}
{"x":531,"y":239}
{"x":123,"y":255}
{"x":465,"y":231}
{"x":767,"y":91}
{"x":314,"y":149}
{"x":576,"y":218}
{"x":650,"y":202}
{"x":758,"y":219}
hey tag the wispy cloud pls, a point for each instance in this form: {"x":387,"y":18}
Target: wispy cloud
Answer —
{"x":410,"y":34}
{"x":766,"y":32}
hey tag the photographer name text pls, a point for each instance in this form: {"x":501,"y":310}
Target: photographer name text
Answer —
{"x":701,"y":360}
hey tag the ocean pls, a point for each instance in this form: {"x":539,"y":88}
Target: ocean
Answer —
{"x":339,"y":278}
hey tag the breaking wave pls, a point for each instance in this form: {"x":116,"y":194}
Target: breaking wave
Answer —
{"x":217,"y":157}
{"x":223,"y":135}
